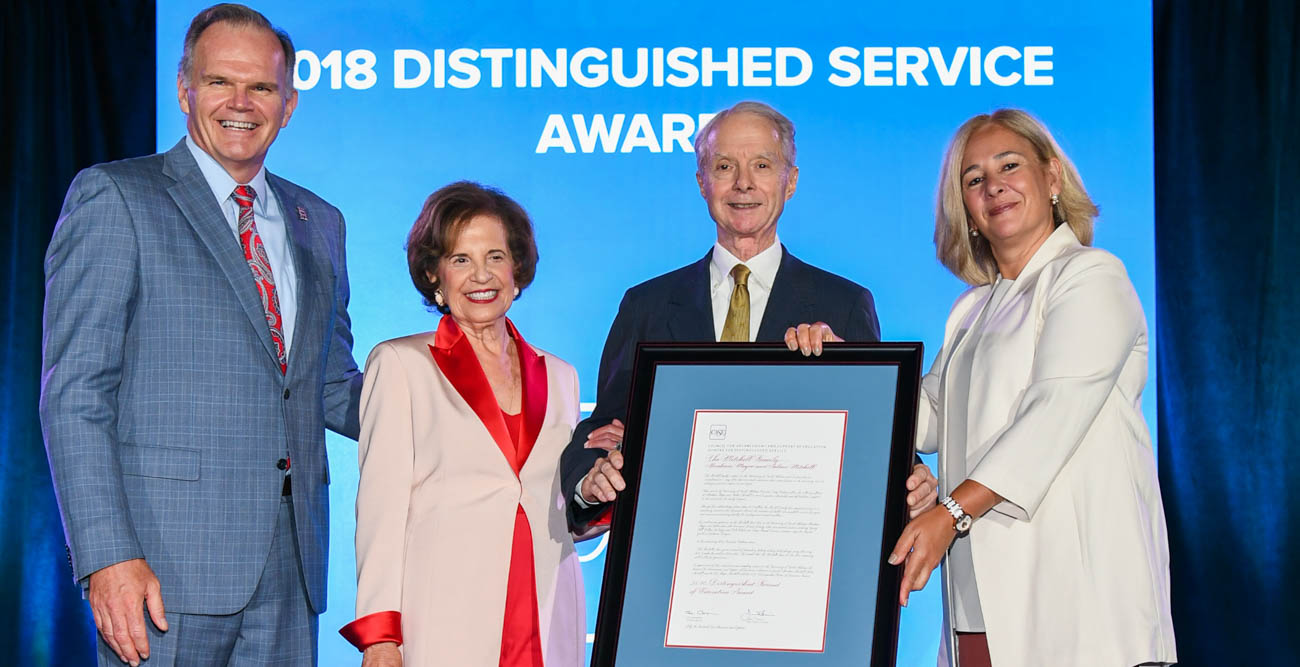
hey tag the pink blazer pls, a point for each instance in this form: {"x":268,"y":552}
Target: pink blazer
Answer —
{"x":437,"y":500}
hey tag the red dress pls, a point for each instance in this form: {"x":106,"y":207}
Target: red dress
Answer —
{"x":521,"y":638}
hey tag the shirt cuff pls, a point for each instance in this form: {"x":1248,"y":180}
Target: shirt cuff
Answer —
{"x":577,"y":496}
{"x":376,"y":628}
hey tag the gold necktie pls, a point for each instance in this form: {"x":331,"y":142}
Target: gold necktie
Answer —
{"x":736,"y":327}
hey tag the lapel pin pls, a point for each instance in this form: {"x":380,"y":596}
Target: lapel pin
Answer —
{"x":302,"y":214}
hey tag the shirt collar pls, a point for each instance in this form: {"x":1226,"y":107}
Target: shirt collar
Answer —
{"x":221,"y":183}
{"x":762,"y":267}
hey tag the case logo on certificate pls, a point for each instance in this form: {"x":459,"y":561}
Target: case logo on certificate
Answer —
{"x":757,"y":535}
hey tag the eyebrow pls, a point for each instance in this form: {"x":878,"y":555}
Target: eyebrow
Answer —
{"x":270,"y":85}
{"x":999,"y":156}
{"x":770,"y":157}
{"x":467,"y":254}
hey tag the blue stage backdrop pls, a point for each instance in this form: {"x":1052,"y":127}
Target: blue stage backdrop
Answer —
{"x":585,"y":114}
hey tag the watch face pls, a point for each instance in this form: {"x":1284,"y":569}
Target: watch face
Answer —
{"x":963,"y":524}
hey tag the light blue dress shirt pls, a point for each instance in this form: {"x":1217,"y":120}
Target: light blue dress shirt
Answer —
{"x":270,"y":226}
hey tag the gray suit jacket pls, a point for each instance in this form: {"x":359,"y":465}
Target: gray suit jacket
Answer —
{"x":162,"y":403}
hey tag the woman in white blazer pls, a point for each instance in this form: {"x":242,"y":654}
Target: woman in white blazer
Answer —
{"x":1050,"y":526}
{"x":463,"y":552}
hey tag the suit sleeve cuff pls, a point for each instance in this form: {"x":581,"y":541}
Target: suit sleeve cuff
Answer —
{"x":603,"y":511}
{"x":376,"y":628}
{"x":577,"y":496}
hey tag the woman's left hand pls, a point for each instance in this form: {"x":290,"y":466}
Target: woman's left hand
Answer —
{"x":922,"y":546}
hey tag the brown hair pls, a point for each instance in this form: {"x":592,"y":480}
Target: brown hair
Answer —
{"x":440,"y":222}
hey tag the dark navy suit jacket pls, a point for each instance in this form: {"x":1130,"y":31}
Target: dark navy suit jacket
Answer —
{"x":675,"y":307}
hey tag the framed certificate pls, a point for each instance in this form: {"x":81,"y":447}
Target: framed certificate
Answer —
{"x":765,"y":491}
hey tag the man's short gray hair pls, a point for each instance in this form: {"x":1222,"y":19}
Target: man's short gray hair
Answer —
{"x":784,"y":130}
{"x":238,"y":16}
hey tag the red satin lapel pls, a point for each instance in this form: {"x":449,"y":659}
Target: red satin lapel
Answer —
{"x":532,"y":371}
{"x":532,"y":367}
{"x":456,"y":360}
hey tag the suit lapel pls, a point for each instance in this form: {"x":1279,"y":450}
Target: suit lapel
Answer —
{"x":532,"y":369}
{"x":788,"y":303}
{"x":193,"y":196}
{"x":690,"y":311}
{"x":299,"y":233}
{"x":1061,"y":239}
{"x":962,"y":335}
{"x":456,"y":359}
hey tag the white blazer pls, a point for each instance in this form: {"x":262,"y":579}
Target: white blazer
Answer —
{"x":1073,"y":567}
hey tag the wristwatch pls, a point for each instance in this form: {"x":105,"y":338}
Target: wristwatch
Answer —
{"x":961,"y":521}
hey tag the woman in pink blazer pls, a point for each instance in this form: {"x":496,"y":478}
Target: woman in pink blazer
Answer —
{"x":463,"y":553}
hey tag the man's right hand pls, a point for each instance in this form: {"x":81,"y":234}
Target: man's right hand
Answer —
{"x":118,"y":595}
{"x":604,"y":481}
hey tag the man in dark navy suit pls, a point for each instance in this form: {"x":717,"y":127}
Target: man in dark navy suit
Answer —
{"x":747,"y":288}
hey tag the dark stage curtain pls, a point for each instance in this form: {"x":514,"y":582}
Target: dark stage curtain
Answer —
{"x":78,"y":89}
{"x":1227,"y":156}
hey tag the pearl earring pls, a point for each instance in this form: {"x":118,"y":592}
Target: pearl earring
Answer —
{"x":437,"y":298}
{"x":1056,"y":199}
{"x":974,"y":233}
{"x":516,"y":292}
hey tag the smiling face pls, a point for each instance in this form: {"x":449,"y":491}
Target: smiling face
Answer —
{"x":237,"y":98}
{"x":1008,"y":190}
{"x":746,"y":181}
{"x":477,"y":276}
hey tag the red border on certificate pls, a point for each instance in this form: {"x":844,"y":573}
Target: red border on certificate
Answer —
{"x":834,"y":529}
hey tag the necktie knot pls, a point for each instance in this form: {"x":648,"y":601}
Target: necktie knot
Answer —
{"x":740,"y":273}
{"x":244,"y":196}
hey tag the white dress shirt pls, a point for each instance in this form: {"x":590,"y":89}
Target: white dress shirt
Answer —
{"x":762,"y":273}
{"x":270,"y":226}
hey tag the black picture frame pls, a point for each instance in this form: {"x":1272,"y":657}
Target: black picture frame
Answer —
{"x":906,"y":357}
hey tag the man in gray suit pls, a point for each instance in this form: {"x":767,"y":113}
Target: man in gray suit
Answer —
{"x":196,"y":346}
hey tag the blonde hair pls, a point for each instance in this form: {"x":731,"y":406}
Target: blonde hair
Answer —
{"x":971,"y":258}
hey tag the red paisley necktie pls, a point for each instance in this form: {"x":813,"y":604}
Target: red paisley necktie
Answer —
{"x":255,"y":253}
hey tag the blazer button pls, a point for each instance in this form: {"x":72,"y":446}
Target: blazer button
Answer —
{"x":286,"y":394}
{"x":282,"y":464}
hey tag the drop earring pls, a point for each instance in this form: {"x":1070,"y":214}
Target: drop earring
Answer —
{"x":516,"y":292}
{"x":974,"y":233}
{"x":1056,"y":199}
{"x":437,"y":298}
